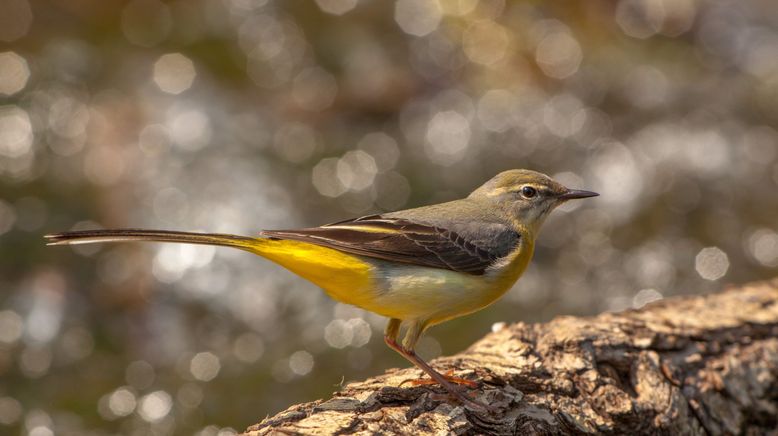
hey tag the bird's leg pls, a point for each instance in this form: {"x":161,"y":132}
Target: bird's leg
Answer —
{"x":409,"y":344}
{"x":406,"y":350}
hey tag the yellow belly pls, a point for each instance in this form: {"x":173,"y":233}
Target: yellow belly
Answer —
{"x":401,"y":291}
{"x":436,"y":295}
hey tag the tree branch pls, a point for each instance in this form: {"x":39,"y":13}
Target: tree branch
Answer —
{"x":688,"y":365}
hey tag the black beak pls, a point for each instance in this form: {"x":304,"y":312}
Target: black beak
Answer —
{"x":577,"y":193}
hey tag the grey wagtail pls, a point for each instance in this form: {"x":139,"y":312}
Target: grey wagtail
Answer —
{"x":417,"y":267}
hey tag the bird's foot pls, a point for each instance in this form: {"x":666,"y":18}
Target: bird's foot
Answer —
{"x":453,"y":388}
{"x":449,"y":376}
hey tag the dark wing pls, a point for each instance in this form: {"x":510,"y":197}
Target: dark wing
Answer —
{"x":400,"y":240}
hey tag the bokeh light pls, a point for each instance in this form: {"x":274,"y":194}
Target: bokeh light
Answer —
{"x":155,"y":406}
{"x":174,"y":73}
{"x":711,"y":263}
{"x":14,"y":73}
{"x":122,"y":402}
{"x":16,"y":135}
{"x":336,"y":7}
{"x":205,"y":366}
{"x":417,"y":18}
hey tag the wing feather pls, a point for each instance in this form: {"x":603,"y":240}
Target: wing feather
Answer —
{"x":404,"y":241}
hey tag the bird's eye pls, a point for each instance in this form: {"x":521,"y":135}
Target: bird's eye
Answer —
{"x":529,"y":192}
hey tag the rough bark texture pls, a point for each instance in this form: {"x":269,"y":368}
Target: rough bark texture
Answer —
{"x":703,"y":365}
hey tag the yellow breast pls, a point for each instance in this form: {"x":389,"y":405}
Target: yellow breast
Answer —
{"x":435,"y":295}
{"x":395,"y":290}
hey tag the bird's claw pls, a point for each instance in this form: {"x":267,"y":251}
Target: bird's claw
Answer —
{"x":449,"y":375}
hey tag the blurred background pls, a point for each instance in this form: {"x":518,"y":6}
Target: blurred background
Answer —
{"x":240,"y":115}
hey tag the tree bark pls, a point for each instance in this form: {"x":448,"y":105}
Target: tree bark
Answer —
{"x":704,"y":365}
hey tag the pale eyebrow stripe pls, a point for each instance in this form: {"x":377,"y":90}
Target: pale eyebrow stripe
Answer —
{"x":498,"y":191}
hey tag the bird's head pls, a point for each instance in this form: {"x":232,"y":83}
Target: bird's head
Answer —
{"x":527,"y":197}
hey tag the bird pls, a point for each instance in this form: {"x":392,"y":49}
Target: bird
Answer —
{"x":418,"y":267}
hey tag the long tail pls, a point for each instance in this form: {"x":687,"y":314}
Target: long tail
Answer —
{"x":120,"y":235}
{"x":345,"y":277}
